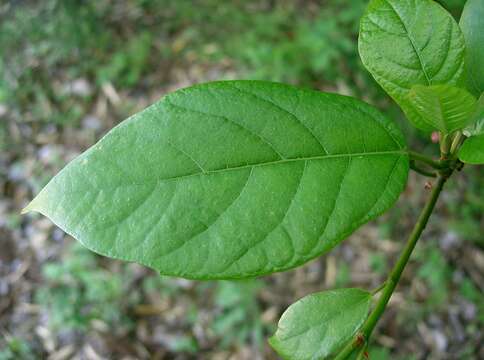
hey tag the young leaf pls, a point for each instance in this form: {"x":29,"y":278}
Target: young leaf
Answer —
{"x":443,"y":107}
{"x":404,"y":43}
{"x":472,"y":151}
{"x":472,"y":25}
{"x":476,"y":126}
{"x":319,"y":324}
{"x":230,"y":180}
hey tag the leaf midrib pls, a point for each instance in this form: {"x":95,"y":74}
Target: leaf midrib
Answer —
{"x":276,"y":162}
{"x":331,"y":317}
{"x":412,"y":42}
{"x":248,"y":166}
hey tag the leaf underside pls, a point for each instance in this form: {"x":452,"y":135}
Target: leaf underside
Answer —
{"x":407,"y":43}
{"x":230,"y":180}
{"x":320,"y":324}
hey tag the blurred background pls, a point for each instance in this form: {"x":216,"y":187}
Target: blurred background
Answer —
{"x":71,"y":70}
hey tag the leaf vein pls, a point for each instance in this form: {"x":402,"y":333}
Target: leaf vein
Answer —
{"x":265,"y":141}
{"x":293,"y":116}
{"x":412,"y":42}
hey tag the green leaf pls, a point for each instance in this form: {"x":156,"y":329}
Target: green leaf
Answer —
{"x":476,"y":126}
{"x":320,"y":324}
{"x":472,"y":25}
{"x":406,"y":43}
{"x":472,"y":151}
{"x":231,"y":180}
{"x":443,"y":107}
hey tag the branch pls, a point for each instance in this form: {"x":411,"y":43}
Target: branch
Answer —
{"x":427,"y":160}
{"x":364,"y":333}
{"x":421,"y":171}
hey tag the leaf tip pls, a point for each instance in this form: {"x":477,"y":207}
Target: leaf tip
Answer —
{"x":30,"y":207}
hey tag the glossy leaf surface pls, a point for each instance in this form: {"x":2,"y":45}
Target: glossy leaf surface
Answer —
{"x":404,"y":43}
{"x":472,"y":151}
{"x":320,"y":324}
{"x":472,"y":25}
{"x":443,"y":107}
{"x":231,"y":180}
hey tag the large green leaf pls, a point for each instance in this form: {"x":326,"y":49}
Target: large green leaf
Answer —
{"x":472,"y":151}
{"x":443,"y":107}
{"x":320,"y":324}
{"x":404,"y":43}
{"x":472,"y":25}
{"x":231,"y":179}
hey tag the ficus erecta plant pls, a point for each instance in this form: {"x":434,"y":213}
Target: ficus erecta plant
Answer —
{"x":237,"y":179}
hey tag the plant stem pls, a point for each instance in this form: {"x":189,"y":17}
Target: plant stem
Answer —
{"x":378,"y":289}
{"x":392,"y":281}
{"x":421,"y":171}
{"x":362,"y":355}
{"x":396,"y":273}
{"x":425,"y":159}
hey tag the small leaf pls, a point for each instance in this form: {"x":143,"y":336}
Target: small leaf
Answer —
{"x":476,"y":126}
{"x":320,"y":324}
{"x":231,"y":180}
{"x":472,"y":25}
{"x":472,"y":151}
{"x":404,"y":43}
{"x":443,"y":107}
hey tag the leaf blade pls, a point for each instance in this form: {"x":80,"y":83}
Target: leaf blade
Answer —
{"x":317,"y":325}
{"x":405,"y":43}
{"x":476,"y":126}
{"x":472,"y":23}
{"x":443,"y":107}
{"x":212,"y":183}
{"x":472,"y":151}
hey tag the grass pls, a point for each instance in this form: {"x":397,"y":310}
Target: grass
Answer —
{"x":55,"y":42}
